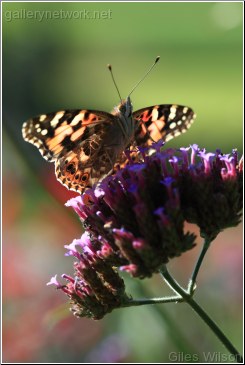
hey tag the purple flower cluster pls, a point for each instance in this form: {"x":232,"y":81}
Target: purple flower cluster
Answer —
{"x":134,"y":219}
{"x":211,"y":191}
{"x":96,"y":288}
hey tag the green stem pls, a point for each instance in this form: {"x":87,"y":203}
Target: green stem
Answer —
{"x":192,"y":282}
{"x":144,"y":301}
{"x":202,"y":314}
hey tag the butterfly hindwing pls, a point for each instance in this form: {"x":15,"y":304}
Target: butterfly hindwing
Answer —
{"x":73,"y":140}
{"x":164,"y":122}
{"x":85,"y":165}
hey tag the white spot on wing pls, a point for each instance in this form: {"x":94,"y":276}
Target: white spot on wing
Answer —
{"x":56,"y":119}
{"x":42,"y":117}
{"x":177,"y":133}
{"x":172,"y":114}
{"x":77,"y":119}
{"x":155,"y":114}
{"x":172,"y":125}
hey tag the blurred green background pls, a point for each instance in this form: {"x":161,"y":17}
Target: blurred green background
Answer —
{"x":57,"y":63}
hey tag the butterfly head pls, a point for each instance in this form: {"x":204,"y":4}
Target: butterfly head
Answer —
{"x":125,"y":108}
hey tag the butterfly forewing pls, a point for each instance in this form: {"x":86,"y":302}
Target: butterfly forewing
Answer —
{"x":55,"y":134}
{"x":164,"y":122}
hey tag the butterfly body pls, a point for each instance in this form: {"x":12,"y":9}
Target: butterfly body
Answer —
{"x":86,"y":144}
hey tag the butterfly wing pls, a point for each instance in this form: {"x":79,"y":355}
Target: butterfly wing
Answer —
{"x":56,"y":134}
{"x":72,"y":139}
{"x":164,"y":122}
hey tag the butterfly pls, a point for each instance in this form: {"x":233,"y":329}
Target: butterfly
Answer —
{"x":86,"y":144}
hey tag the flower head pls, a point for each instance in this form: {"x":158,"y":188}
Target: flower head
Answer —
{"x":149,"y":200}
{"x":211,"y":192}
{"x":134,"y":220}
{"x":96,"y":288}
{"x":140,"y":203}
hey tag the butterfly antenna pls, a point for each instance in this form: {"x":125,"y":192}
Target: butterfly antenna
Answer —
{"x":156,"y":60}
{"x":110,"y":69}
